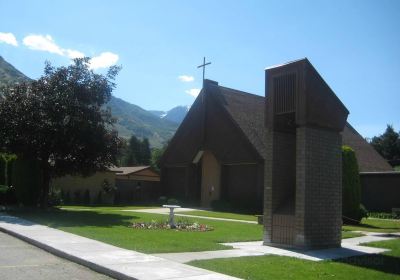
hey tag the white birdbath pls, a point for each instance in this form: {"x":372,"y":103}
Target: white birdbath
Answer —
{"x":171,"y":214}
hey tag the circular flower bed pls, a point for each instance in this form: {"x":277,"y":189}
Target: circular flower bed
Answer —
{"x":180,"y":226}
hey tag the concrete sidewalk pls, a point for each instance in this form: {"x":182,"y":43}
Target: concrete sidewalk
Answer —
{"x":107,"y":259}
{"x":162,"y":210}
{"x":350,"y":247}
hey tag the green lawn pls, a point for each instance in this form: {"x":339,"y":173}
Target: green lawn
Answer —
{"x":224,"y":215}
{"x":104,"y":208}
{"x":112,"y":227}
{"x":376,"y":225}
{"x":350,"y":234}
{"x":385,"y":266}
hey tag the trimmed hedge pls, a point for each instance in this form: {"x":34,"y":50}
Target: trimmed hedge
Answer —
{"x":27,"y":180}
{"x":351,"y":194}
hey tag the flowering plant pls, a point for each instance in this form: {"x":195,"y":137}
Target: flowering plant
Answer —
{"x":182,"y":225}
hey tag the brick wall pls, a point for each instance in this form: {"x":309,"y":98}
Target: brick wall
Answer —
{"x":311,"y":219}
{"x":319,"y":188}
{"x":380,"y":191}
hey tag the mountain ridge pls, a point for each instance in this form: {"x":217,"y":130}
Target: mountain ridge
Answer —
{"x":176,"y":114}
{"x":10,"y":74}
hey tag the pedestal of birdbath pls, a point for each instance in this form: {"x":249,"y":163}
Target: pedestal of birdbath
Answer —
{"x":171,"y":214}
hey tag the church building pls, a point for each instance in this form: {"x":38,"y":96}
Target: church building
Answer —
{"x":218,"y":151}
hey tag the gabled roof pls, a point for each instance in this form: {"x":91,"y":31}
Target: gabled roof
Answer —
{"x":247,"y":110}
{"x":126,"y":170}
{"x":369,"y":160}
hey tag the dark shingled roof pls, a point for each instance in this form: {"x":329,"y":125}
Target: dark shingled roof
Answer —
{"x":369,"y":159}
{"x":247,"y":110}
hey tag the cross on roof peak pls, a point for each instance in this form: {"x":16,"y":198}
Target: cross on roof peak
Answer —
{"x":204,"y":67}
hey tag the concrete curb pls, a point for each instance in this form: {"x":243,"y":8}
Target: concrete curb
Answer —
{"x":101,"y":257}
{"x":61,"y":254}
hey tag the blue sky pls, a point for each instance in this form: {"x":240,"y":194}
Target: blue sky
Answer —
{"x":355,"y":45}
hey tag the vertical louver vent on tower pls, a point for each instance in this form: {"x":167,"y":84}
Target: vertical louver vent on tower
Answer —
{"x":285,"y":88}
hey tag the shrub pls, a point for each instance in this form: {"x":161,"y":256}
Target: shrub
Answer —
{"x":3,"y":166}
{"x":3,"y":194}
{"x":172,"y":201}
{"x":99,"y":199}
{"x":27,"y":180}
{"x":77,"y":197}
{"x":383,"y":215}
{"x":162,"y":200}
{"x":363,"y":212}
{"x":221,"y":205}
{"x":67,"y":198}
{"x":62,"y":195}
{"x":54,"y":198}
{"x":351,"y":194}
{"x":7,"y":195}
{"x":117,"y":198}
{"x":3,"y":189}
{"x":86,"y":197}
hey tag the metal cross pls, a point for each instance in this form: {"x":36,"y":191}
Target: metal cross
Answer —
{"x":204,"y":67}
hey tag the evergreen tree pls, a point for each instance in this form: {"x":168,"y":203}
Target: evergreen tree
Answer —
{"x":351,"y":187}
{"x":145,"y":152}
{"x":156,"y":155}
{"x":138,"y":152}
{"x":388,"y":144}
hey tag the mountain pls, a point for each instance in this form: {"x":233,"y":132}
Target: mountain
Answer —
{"x":131,"y":119}
{"x":9,"y":74}
{"x":175,"y":115}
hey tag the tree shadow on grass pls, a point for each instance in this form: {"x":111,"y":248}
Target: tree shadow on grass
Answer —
{"x":76,"y":218}
{"x":383,"y":263}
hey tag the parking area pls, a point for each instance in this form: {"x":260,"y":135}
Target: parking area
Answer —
{"x":20,"y":260}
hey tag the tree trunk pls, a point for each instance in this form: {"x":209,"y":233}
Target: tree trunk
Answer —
{"x":44,"y":196}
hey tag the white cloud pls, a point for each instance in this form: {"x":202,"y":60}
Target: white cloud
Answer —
{"x":47,"y":44}
{"x":185,"y":78}
{"x":42,"y":43}
{"x":104,"y":60}
{"x":74,"y":53}
{"x":193,"y":92}
{"x":8,"y":38}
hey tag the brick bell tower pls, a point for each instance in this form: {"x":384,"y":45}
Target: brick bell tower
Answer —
{"x":303,"y":168}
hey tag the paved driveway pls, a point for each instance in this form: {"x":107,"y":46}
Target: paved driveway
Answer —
{"x":20,"y":260}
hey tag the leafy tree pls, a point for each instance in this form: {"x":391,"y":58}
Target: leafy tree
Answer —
{"x":59,"y":121}
{"x":388,"y":144}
